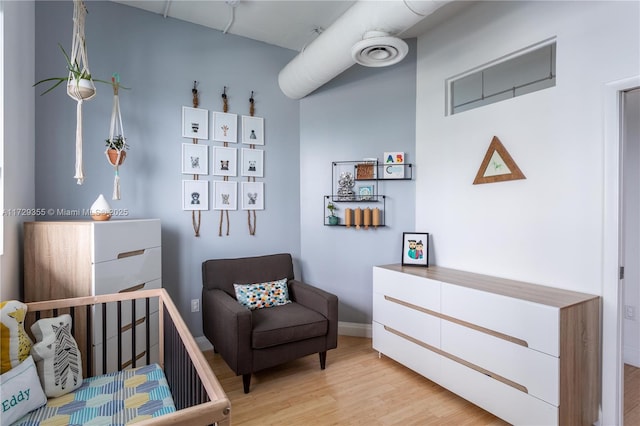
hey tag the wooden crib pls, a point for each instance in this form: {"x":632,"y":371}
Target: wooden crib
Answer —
{"x":198,"y":397}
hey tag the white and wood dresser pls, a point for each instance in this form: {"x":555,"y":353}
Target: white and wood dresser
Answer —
{"x":64,"y":259}
{"x":527,"y":353}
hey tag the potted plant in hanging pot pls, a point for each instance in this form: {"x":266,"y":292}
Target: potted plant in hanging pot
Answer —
{"x":333,"y":219}
{"x":79,"y":81}
{"x":116,"y":145}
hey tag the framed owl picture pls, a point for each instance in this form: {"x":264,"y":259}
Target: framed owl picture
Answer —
{"x":195,"y":159}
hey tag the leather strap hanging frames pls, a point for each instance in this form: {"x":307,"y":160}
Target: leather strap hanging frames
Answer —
{"x":195,"y":218}
{"x":250,"y":213}
{"x":223,"y":213}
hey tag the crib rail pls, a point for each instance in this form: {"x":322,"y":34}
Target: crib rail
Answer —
{"x":197,"y":394}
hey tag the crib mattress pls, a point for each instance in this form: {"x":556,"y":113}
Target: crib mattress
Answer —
{"x":118,"y":398}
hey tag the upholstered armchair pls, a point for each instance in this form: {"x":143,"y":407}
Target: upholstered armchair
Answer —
{"x":250,"y":340}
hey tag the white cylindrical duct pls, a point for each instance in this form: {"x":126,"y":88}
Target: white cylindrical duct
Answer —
{"x":330,"y":54}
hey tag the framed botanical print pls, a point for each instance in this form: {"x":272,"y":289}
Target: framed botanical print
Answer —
{"x":195,"y":159}
{"x":225,"y":162}
{"x":225,"y":127}
{"x":252,"y":162}
{"x":195,"y":195}
{"x":195,"y":123}
{"x":252,"y":195}
{"x":415,"y":248}
{"x":252,"y":130}
{"x":225,"y":195}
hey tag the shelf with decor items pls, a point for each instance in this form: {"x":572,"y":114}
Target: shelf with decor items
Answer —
{"x":355,"y":213}
{"x":354,"y":185}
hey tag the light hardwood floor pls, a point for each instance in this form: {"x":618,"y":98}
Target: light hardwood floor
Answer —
{"x":356,"y":388}
{"x":631,"y":396}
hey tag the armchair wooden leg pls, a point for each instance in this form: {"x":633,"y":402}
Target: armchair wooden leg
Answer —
{"x":323,"y":359}
{"x":246,"y":382}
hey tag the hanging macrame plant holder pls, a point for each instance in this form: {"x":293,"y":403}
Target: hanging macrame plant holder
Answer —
{"x":116,"y":130}
{"x":80,"y":87}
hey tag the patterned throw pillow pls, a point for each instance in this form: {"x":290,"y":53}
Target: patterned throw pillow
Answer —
{"x":57,"y":355}
{"x":15,"y":344}
{"x":20,"y":392}
{"x":263,"y":295}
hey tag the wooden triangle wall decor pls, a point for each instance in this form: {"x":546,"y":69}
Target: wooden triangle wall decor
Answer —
{"x":497,"y":165}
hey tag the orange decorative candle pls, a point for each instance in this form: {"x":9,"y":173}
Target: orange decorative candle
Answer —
{"x":358,"y":218}
{"x":376,"y":217}
{"x":367,"y":218}
{"x":347,"y":217}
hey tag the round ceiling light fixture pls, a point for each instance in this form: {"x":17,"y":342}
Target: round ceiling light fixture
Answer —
{"x":379,"y":49}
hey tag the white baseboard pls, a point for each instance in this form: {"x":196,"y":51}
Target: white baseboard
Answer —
{"x":204,"y":344}
{"x":355,"y":329}
{"x":344,"y":329}
{"x":631,"y":356}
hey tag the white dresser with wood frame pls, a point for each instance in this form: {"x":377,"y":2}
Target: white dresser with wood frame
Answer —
{"x":64,"y":259}
{"x":529,"y":354}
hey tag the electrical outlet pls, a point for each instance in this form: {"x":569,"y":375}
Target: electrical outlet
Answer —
{"x":629,"y":312}
{"x":195,"y":305}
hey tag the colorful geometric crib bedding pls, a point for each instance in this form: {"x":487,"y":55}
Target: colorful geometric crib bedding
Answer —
{"x":118,"y":398}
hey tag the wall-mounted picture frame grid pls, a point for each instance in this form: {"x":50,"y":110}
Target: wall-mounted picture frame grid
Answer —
{"x":252,"y":130}
{"x":225,"y":127}
{"x":195,"y":159}
{"x":195,"y":123}
{"x":415,"y":248}
{"x":252,"y":163}
{"x":225,"y":161}
{"x":225,"y":195}
{"x":195,"y":195}
{"x":252,"y":195}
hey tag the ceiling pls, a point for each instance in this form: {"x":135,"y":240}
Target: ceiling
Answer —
{"x":291,"y":24}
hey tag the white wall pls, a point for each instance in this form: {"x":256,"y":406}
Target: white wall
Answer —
{"x":546,"y":229}
{"x":631,"y":220}
{"x":18,"y":32}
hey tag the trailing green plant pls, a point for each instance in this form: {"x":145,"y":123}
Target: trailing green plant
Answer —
{"x":75,"y":70}
{"x":118,"y":142}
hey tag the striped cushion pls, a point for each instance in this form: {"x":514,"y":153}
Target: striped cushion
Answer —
{"x":112,"y":399}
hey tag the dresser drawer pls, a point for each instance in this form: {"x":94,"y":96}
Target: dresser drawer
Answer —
{"x":118,"y":238}
{"x":504,"y":401}
{"x":408,"y":320}
{"x":536,"y":371}
{"x":117,"y":275}
{"x":419,"y":291}
{"x":410,"y":354}
{"x":536,"y":324}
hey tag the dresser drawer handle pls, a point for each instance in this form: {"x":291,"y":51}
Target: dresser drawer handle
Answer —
{"x":130,"y":253}
{"x":459,"y":360}
{"x":485,"y":330}
{"x":134,"y":288}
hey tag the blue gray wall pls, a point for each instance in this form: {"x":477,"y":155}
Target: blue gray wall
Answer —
{"x":361,"y":113}
{"x":159,"y":59}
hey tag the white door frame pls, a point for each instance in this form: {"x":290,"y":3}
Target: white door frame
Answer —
{"x":612,"y":372}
